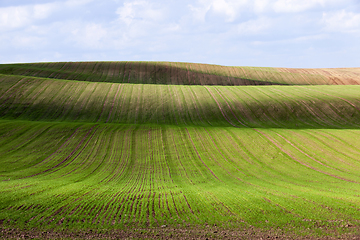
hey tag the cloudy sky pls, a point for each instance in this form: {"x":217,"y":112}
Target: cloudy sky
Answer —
{"x":269,"y":33}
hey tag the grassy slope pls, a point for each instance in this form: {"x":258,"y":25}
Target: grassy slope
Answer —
{"x":183,"y":73}
{"x":79,"y":154}
{"x":39,"y":99}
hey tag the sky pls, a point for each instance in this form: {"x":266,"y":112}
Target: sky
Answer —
{"x":264,"y":33}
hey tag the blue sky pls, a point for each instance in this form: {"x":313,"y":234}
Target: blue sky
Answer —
{"x":269,"y":33}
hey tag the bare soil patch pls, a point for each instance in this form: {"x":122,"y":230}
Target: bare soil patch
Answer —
{"x":163,"y":233}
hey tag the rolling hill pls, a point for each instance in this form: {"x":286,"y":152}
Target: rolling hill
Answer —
{"x":179,"y":150}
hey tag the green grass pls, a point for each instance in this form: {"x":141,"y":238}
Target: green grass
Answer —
{"x":106,"y":155}
{"x":39,"y":99}
{"x":113,"y":176}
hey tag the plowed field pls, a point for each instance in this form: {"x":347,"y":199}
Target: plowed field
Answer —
{"x":177,"y":150}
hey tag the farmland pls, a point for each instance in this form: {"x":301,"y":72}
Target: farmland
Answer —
{"x":144,"y":145}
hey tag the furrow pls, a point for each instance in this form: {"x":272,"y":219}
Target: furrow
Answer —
{"x":197,"y":153}
{"x":301,"y":162}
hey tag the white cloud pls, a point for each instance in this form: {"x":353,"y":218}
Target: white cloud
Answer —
{"x":296,"y":5}
{"x":256,"y":26}
{"x":25,"y":15}
{"x":261,"y":5}
{"x":293,"y":6}
{"x":217,"y":31}
{"x":295,"y":40}
{"x":90,"y":35}
{"x":341,"y":21}
{"x":230,"y":9}
{"x":139,"y":11}
{"x":13,"y":17}
{"x":77,"y":3}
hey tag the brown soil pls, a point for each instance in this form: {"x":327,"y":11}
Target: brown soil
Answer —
{"x":160,"y":233}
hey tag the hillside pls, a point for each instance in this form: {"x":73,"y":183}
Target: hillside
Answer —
{"x":187,"y":150}
{"x":40,"y":99}
{"x":183,"y":73}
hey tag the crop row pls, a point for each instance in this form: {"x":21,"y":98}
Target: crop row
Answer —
{"x":182,"y":73}
{"x":240,"y":106}
{"x":76,"y":175}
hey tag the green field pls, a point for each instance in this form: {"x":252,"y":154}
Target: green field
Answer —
{"x":140,"y":145}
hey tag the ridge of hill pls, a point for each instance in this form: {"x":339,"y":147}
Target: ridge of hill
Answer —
{"x":183,"y":73}
{"x":44,"y":99}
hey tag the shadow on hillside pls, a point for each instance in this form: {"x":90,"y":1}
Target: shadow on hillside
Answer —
{"x":265,"y":115}
{"x":131,"y":72}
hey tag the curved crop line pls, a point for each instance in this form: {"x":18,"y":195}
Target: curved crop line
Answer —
{"x":174,"y":203}
{"x":124,"y":103}
{"x":221,"y":110}
{"x":104,"y":72}
{"x":283,"y":208}
{"x":57,"y":150}
{"x":328,"y":145}
{"x":188,"y":74}
{"x":150,"y":209}
{"x":110,"y":71}
{"x":357,"y":108}
{"x":338,"y":139}
{"x":3,"y":103}
{"x":109,"y":209}
{"x":307,"y":155}
{"x":313,"y":73}
{"x":289,"y":106}
{"x":74,"y":74}
{"x":120,"y":87}
{"x":233,"y":97}
{"x":302,"y":163}
{"x":182,"y":105}
{"x":321,"y":120}
{"x":15,"y":84}
{"x":164,"y":153}
{"x":227,"y":103}
{"x":87,"y":104}
{"x":69,"y":156}
{"x":327,"y":115}
{"x":196,"y":99}
{"x":39,"y":92}
{"x":173,"y":107}
{"x":214,"y":159}
{"x":217,"y":148}
{"x":30,"y":139}
{"x":138,"y":104}
{"x":55,"y":72}
{"x":195,"y":104}
{"x":73,"y":158}
{"x":78,"y":100}
{"x":270,"y":96}
{"x":55,"y":95}
{"x":200,"y":156}
{"x":105,"y":102}
{"x":140,"y":178}
{"x":241,"y":151}
{"x":338,"y":112}
{"x":115,"y":173}
{"x":127,"y":70}
{"x":251,"y":156}
{"x":264,"y":113}
{"x":85,"y":159}
{"x":178,"y":158}
{"x":136,"y":196}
